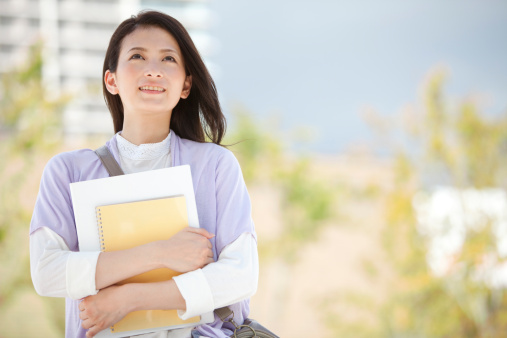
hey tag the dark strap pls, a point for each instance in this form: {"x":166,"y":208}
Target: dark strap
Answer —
{"x":108,"y":161}
{"x":223,"y":313}
{"x":248,"y":329}
{"x":114,"y":169}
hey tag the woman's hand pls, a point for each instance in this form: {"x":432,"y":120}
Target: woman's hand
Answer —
{"x":188,"y":250}
{"x":100,"y":311}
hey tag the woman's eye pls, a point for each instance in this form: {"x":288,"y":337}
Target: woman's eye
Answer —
{"x":169,"y":58}
{"x":136,"y":56}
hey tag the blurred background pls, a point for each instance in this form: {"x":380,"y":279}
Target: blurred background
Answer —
{"x":373,"y":140}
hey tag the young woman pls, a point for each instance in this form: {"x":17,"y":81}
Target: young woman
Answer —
{"x":164,"y":105}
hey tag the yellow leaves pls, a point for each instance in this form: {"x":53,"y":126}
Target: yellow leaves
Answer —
{"x":254,"y":146}
{"x":29,"y":129}
{"x":305,"y":199}
{"x":482,"y":145}
{"x":26,"y":112}
{"x":463,"y":148}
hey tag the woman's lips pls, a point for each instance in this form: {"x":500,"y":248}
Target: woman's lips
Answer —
{"x":152,"y":89}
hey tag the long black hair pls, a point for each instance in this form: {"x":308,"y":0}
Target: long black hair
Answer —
{"x":197,"y":117}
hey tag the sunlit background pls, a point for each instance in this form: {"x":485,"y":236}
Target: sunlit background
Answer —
{"x":374,"y":136}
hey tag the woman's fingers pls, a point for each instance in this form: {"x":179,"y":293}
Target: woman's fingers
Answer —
{"x":92,"y":331}
{"x":87,"y":323}
{"x":83,"y":315}
{"x":104,"y":309}
{"x":201,"y":231}
{"x":188,"y":250}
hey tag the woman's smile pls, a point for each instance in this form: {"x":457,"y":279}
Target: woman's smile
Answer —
{"x":152,"y":89}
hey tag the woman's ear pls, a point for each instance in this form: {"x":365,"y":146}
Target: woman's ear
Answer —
{"x":110,"y":81}
{"x":186,"y":87}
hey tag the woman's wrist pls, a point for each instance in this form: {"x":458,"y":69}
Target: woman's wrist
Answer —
{"x":158,"y":253}
{"x":130,"y":297}
{"x":152,"y":296}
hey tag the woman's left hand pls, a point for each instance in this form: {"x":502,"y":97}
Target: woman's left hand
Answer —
{"x":103,"y":310}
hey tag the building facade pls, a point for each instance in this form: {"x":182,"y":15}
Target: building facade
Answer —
{"x":75,"y":34}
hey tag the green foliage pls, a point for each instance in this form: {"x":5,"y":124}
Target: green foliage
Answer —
{"x":463,"y":148}
{"x":29,"y":130}
{"x":255,"y":146}
{"x":306,"y":201}
{"x":354,"y":321}
{"x":307,"y":205}
{"x":29,"y":120}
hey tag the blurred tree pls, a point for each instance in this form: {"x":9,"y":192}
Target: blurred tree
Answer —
{"x":307,"y":202}
{"x":29,"y":130}
{"x":461,"y":148}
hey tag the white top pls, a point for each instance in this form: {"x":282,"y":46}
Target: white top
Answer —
{"x":58,"y":272}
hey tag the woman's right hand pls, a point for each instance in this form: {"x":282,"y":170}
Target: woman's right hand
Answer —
{"x":190,"y":249}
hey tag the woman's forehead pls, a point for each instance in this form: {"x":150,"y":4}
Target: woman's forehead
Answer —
{"x":150,"y":38}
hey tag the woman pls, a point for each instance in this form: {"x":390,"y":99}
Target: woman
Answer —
{"x":164,"y":104}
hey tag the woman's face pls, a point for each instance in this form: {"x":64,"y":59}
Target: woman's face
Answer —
{"x":150,"y":77}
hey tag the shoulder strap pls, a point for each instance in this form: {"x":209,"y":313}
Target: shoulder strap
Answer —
{"x":108,"y":161}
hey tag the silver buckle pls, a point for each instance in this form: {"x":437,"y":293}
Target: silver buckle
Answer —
{"x":231,"y":320}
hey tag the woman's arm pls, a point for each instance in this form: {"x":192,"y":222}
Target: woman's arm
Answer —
{"x":111,"y":304}
{"x":232,"y":278}
{"x":59,"y":272}
{"x":188,"y":250}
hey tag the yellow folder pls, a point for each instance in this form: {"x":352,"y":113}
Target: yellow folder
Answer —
{"x":127,"y":225}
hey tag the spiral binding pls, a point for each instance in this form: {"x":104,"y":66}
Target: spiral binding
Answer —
{"x":102,"y":244}
{"x":101,"y":230}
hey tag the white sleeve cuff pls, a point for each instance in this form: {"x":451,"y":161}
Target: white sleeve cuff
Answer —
{"x":235,"y":275}
{"x":80,"y":275}
{"x":195,"y":290}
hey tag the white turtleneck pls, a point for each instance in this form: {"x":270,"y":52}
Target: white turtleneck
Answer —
{"x":58,"y":272}
{"x":143,"y":157}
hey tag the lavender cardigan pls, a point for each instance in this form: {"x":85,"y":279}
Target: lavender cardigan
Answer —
{"x":223,"y":206}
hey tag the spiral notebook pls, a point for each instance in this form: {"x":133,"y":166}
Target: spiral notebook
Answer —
{"x":127,"y":225}
{"x":124,"y":192}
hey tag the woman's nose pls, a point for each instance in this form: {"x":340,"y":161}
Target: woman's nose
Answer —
{"x":153,"y":71}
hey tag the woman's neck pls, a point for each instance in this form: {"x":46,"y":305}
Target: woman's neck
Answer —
{"x":145,"y":131}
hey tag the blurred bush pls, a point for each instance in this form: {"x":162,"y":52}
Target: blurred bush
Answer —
{"x":307,"y":202}
{"x":30,"y":130}
{"x":455,"y":146}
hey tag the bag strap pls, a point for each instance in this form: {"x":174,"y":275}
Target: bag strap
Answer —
{"x":108,"y":161}
{"x":114,"y":169}
{"x":223,"y":313}
{"x":248,"y":329}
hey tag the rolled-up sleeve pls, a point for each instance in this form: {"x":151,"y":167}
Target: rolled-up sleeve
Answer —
{"x":229,"y":280}
{"x":58,"y":272}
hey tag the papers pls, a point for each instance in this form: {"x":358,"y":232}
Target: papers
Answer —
{"x":153,"y":184}
{"x":149,"y":185}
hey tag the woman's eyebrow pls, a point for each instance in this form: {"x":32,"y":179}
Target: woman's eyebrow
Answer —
{"x":142,"y":49}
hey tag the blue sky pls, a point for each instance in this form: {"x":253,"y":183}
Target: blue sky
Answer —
{"x":319,"y":64}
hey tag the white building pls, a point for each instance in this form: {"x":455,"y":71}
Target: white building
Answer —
{"x":75,"y":35}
